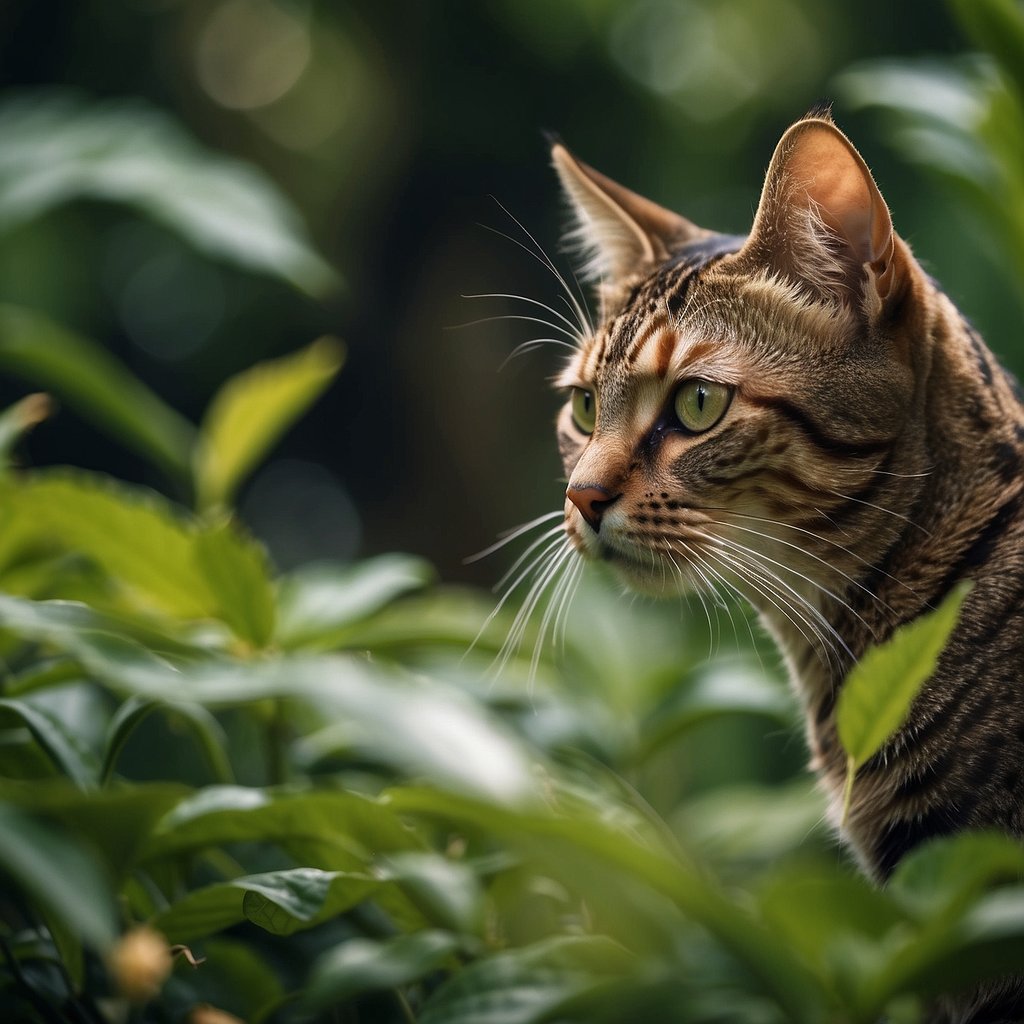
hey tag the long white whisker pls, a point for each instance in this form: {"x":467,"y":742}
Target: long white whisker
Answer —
{"x":510,"y":535}
{"x":760,"y":559}
{"x":533,"y":302}
{"x":515,"y":585}
{"x":574,"y":338}
{"x":542,"y":257}
{"x":545,"y":537}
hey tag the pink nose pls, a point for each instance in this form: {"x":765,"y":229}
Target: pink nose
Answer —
{"x":591,"y":500}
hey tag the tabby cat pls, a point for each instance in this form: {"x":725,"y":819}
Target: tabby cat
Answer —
{"x":803,"y":418}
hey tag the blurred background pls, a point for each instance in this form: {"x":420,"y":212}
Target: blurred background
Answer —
{"x":405,"y":140}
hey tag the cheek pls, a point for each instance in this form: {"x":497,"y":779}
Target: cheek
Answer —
{"x":570,"y":449}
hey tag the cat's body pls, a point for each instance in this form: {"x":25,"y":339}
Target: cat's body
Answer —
{"x":804,"y":418}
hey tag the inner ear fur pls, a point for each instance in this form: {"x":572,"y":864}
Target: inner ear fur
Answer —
{"x":619,"y":232}
{"x":822,"y":222}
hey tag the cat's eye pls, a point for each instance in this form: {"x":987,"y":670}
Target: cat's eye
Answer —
{"x":584,"y":409}
{"x":700,"y":404}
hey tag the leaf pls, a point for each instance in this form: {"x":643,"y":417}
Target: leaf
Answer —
{"x":71,"y":757}
{"x":611,"y":867}
{"x":941,"y":878}
{"x":352,"y":829}
{"x":252,"y":410}
{"x":877,"y":695}
{"x":57,"y":149}
{"x":165,"y":560}
{"x":59,"y":874}
{"x":363,"y":965}
{"x":523,"y":986}
{"x":204,"y":726}
{"x":447,"y":891}
{"x":998,"y":27}
{"x":236,"y":569}
{"x":114,"y":822}
{"x":317,"y":602}
{"x":134,"y":534}
{"x":281,"y":902}
{"x":725,"y":689}
{"x":93,"y":383}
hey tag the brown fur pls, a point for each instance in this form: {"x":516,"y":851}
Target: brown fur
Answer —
{"x":870,"y":459}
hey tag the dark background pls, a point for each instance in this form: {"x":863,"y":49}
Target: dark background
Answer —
{"x":400,"y":131}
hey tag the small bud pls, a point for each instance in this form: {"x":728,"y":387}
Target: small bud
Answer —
{"x":207,"y":1014}
{"x":139,"y":964}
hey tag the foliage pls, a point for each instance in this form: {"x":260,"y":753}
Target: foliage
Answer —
{"x":386,"y":834}
{"x":303,"y":796}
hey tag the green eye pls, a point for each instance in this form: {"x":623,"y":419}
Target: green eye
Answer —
{"x":700,"y":404}
{"x":584,"y":409}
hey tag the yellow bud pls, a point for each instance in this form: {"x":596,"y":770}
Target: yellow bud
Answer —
{"x":207,"y":1014}
{"x":140,"y":963}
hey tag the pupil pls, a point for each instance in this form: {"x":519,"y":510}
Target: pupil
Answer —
{"x":700,"y":397}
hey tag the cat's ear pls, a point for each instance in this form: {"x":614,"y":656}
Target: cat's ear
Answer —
{"x":619,"y":232}
{"x":823,"y":223}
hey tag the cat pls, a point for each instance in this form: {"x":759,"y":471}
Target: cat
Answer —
{"x":803,"y":418}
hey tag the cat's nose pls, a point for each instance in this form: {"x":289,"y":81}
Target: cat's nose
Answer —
{"x":591,"y":500}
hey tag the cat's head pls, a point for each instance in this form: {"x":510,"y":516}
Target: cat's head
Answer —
{"x":726,"y":422}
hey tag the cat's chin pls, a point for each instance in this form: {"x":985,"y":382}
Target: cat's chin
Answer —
{"x":651,"y":577}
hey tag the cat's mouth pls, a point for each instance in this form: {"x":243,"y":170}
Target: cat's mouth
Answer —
{"x":641,"y":568}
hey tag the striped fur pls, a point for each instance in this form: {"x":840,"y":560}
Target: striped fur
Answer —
{"x":870,"y":459}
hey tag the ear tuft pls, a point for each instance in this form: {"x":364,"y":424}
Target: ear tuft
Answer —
{"x":618,"y":232}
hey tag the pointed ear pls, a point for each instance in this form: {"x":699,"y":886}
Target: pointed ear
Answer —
{"x":619,"y":232}
{"x":822,"y":222}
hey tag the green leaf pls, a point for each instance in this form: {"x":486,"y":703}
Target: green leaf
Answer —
{"x":998,"y":27}
{"x":319,"y":601}
{"x":134,"y":534}
{"x":163,"y":559}
{"x":877,"y":695}
{"x":611,"y":867}
{"x":941,"y":878}
{"x":59,"y":874}
{"x":725,"y":689}
{"x":71,"y":757}
{"x":57,"y":148}
{"x":93,"y":383}
{"x":252,"y":410}
{"x":363,"y":965}
{"x":280,"y":902}
{"x":203,"y":725}
{"x":523,"y":986}
{"x":236,"y":569}
{"x":447,"y":891}
{"x":350,"y":830}
{"x":114,"y":822}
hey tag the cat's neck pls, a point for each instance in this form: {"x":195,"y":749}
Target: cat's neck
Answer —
{"x":956,"y":467}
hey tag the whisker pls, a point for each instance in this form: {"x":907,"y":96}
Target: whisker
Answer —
{"x":818,"y":537}
{"x":538,"y":253}
{"x":529,"y":346}
{"x":533,"y":302}
{"x":519,"y":316}
{"x":510,"y":535}
{"x":532,"y":567}
{"x":879,"y":508}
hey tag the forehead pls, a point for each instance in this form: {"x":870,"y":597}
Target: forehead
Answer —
{"x":650,"y":337}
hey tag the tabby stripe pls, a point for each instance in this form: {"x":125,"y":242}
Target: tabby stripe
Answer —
{"x":927,"y":776}
{"x":848,"y":449}
{"x":981,"y":549}
{"x":666,"y":346}
{"x":634,"y":350}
